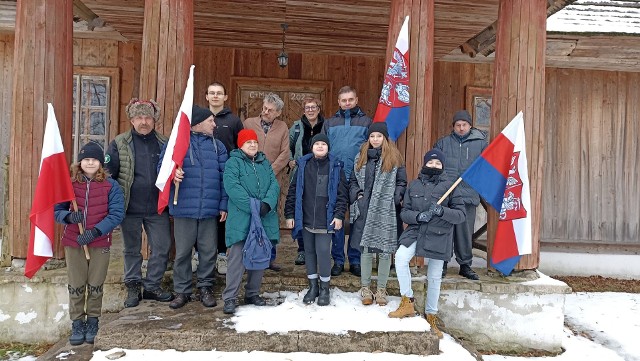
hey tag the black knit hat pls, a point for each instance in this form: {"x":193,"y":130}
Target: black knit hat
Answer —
{"x":380,"y":127}
{"x":320,"y":138}
{"x":462,"y":115}
{"x":434,"y":154}
{"x":199,"y":115}
{"x":91,"y":150}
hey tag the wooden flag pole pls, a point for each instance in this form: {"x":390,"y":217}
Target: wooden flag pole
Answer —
{"x":85,"y":247}
{"x":450,"y":190}
{"x":175,"y":194}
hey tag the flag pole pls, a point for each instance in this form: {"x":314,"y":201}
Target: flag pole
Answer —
{"x":450,"y":190}
{"x":177,"y":189}
{"x":86,"y":249}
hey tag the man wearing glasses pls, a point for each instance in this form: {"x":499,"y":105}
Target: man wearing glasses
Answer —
{"x":300,"y":136}
{"x":273,"y":140}
{"x":228,"y":125}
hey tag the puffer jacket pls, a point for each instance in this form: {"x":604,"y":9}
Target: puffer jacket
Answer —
{"x":435,"y":237}
{"x":346,"y":137}
{"x":459,"y":156}
{"x":246,"y":177}
{"x":201,"y":194}
{"x":102,"y":204}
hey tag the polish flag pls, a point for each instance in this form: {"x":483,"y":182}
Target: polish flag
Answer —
{"x":53,"y":186}
{"x":177,"y":145}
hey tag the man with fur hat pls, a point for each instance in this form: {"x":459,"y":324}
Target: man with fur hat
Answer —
{"x":201,"y":200}
{"x":132,"y":159}
{"x":461,"y":148}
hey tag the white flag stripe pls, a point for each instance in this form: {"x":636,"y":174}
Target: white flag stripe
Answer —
{"x":52,"y":142}
{"x":522,"y":226}
{"x":42,"y":244}
{"x":403,"y":38}
{"x":168,"y":165}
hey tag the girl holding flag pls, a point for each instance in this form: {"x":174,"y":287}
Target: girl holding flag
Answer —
{"x":428,"y":235}
{"x":100,"y":209}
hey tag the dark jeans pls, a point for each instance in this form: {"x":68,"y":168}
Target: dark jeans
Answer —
{"x":337,"y":250}
{"x":189,"y":232}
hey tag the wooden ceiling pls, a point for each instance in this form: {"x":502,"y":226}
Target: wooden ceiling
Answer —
{"x":324,"y":26}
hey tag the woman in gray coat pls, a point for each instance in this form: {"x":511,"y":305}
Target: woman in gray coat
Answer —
{"x":428,"y":235}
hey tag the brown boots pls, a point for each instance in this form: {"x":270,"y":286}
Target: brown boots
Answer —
{"x":433,"y":322}
{"x":405,"y":309}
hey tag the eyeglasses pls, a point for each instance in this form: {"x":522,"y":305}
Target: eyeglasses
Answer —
{"x":311,"y":108}
{"x":216,"y":93}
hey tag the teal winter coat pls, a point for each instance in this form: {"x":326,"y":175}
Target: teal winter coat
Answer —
{"x":244,"y":178}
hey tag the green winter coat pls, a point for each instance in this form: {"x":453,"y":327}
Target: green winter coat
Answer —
{"x":244,"y":178}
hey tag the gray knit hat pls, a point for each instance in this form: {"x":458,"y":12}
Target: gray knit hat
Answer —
{"x":137,"y":107}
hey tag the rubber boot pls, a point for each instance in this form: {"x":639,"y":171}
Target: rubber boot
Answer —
{"x":313,"y":292}
{"x":324,"y":298}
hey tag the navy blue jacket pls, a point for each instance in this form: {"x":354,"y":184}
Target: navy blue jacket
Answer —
{"x":201,"y":193}
{"x":337,"y":194}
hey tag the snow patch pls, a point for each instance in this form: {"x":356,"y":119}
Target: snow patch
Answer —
{"x":3,"y":317}
{"x":59,"y":316}
{"x":27,"y":288}
{"x":23,"y":318}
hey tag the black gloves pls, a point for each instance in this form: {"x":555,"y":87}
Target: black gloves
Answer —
{"x":74,"y":217}
{"x":264,"y":209}
{"x":424,"y":217}
{"x":436,"y":209}
{"x":88,"y":236}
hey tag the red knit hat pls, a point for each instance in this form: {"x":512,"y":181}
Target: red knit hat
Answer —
{"x":246,"y":135}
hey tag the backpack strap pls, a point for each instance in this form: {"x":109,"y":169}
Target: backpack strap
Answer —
{"x":296,"y":134}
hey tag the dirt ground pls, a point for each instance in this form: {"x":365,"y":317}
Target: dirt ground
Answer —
{"x":600,"y":284}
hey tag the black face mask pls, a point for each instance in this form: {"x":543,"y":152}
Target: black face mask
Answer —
{"x":431,"y":171}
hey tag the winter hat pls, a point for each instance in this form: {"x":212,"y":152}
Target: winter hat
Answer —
{"x":320,"y":138}
{"x":462,"y":115}
{"x":380,"y":127}
{"x":434,"y":154}
{"x":199,"y":115}
{"x":91,"y":150}
{"x":137,"y":107}
{"x":246,"y":135}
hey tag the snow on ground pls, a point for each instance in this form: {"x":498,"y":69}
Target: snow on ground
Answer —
{"x":293,"y":315}
{"x":612,"y":320}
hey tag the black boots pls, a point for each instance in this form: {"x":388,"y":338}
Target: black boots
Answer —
{"x":313,"y":292}
{"x":133,"y":294}
{"x":466,"y":271}
{"x":180,"y":300}
{"x":337,"y":269}
{"x":92,"y":329}
{"x":444,"y":269}
{"x":324,"y":297}
{"x":78,"y":330}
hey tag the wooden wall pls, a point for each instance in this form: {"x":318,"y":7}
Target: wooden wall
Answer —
{"x":365,"y":74}
{"x":6,"y":79}
{"x":591,"y":166}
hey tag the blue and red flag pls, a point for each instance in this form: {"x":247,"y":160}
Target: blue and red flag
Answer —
{"x":393,"y":106}
{"x":501,"y":177}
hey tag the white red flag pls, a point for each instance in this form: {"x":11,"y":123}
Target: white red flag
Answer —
{"x":53,"y":186}
{"x":501,"y":177}
{"x":177,"y":145}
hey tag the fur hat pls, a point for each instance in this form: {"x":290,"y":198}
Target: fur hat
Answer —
{"x":137,"y":107}
{"x":434,"y":154}
{"x":320,"y":138}
{"x":91,"y":150}
{"x":199,"y":115}
{"x":462,"y":115}
{"x":380,"y":127}
{"x":246,"y":135}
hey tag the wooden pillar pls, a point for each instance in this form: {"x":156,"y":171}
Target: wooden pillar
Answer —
{"x":167,"y":54}
{"x":416,"y":140}
{"x":42,"y":73}
{"x":519,"y":86}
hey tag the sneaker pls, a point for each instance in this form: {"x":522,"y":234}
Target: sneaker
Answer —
{"x":92,"y":329}
{"x":229,"y":306}
{"x":337,"y":269}
{"x":221,"y":263}
{"x":77,"y":333}
{"x":157,"y":295}
{"x":381,"y":297}
{"x":300,"y":259}
{"x":367,"y":296}
{"x":207,"y":298}
{"x":255,"y":300}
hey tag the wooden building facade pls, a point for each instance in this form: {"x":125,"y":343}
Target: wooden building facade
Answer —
{"x":587,"y":142}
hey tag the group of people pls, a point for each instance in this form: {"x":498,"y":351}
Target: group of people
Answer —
{"x":345,"y":164}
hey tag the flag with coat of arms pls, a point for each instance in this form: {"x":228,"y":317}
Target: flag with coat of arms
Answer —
{"x":501,"y":177}
{"x":393,"y":106}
